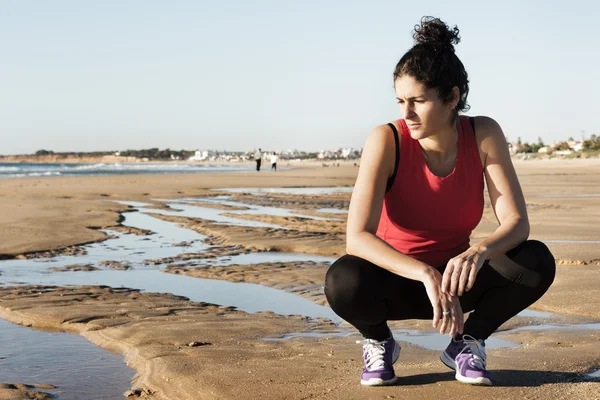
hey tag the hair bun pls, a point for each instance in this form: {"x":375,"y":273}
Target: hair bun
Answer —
{"x":434,"y":31}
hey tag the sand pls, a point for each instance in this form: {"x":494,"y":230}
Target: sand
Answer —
{"x":187,"y":350}
{"x":56,"y":212}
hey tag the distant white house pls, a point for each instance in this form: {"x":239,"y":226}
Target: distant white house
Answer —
{"x":325,"y":154}
{"x":349,"y":153}
{"x":291,"y":153}
{"x":575,"y":145}
{"x":199,"y":156}
{"x":544,"y":149}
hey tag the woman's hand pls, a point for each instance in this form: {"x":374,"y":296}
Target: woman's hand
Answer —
{"x":461,"y":271}
{"x":446,"y":308}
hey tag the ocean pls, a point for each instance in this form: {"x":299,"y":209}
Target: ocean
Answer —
{"x":20,"y":170}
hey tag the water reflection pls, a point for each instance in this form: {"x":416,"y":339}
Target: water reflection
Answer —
{"x":79,"y":369}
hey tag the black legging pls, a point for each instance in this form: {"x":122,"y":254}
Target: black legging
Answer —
{"x":367,"y":296}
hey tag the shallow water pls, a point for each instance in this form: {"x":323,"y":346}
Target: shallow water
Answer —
{"x":245,"y":296}
{"x":79,"y":369}
{"x":19,"y":170}
{"x":426,"y":339}
{"x":594,"y":375}
{"x":211,"y":214}
{"x":257,"y":258}
{"x":257,"y":209}
{"x":573,"y":241}
{"x":135,"y":250}
{"x":558,"y":327}
{"x":306,"y":190}
{"x":193,"y":208}
{"x":535,"y":314}
{"x":332,"y":210}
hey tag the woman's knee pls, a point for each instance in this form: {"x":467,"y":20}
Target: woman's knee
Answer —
{"x":345,"y":279}
{"x":535,"y":256}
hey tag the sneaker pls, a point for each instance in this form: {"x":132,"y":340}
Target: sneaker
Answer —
{"x":467,"y":358}
{"x":379,"y":358}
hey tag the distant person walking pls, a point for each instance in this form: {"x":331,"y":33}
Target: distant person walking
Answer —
{"x":258,"y":158}
{"x":274,"y":162}
{"x":418,"y":196}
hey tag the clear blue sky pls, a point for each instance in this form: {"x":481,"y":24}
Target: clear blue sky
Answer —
{"x":236,"y":75}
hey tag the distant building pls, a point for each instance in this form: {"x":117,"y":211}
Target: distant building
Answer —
{"x":199,"y":156}
{"x":514,"y":148}
{"x":575,"y":145}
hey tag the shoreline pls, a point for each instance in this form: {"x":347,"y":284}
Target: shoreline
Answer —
{"x":19,"y":159}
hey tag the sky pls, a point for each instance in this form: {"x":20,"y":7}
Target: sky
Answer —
{"x":308,"y":75}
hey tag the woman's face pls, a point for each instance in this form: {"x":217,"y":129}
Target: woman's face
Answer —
{"x":422,"y":109}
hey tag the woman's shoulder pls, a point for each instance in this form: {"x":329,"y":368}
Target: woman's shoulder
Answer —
{"x":486,"y":126}
{"x":380,"y":146}
{"x":489,"y":134}
{"x":383,"y":135}
{"x":386,"y":129}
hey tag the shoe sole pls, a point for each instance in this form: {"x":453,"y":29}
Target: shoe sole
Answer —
{"x":396,"y":354}
{"x":448,"y":362}
{"x":378,"y":382}
{"x":473,"y":381}
{"x":381,"y":382}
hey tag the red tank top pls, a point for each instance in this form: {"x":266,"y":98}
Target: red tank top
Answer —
{"x":428,"y":217}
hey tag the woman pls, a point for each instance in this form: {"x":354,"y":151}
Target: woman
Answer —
{"x":417,"y":197}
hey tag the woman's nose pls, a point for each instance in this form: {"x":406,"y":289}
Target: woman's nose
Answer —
{"x":407,"y":110}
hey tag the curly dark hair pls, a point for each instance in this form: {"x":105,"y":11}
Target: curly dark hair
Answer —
{"x":433,"y":62}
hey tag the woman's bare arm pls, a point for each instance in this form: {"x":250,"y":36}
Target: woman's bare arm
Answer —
{"x":508,"y":204}
{"x":376,"y":166}
{"x":504,"y":190}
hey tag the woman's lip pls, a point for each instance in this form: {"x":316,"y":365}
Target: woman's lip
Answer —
{"x":413,"y":125}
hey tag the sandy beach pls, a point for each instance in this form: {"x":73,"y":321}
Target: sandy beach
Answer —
{"x":193,"y":349}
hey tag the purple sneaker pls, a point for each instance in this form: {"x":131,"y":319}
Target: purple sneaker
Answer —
{"x":379,"y":358}
{"x":467,"y":357}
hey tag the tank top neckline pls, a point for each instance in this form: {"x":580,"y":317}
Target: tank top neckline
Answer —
{"x":421,"y":158}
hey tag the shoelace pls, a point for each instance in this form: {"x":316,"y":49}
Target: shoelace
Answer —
{"x":477,"y":351}
{"x":375,"y":352}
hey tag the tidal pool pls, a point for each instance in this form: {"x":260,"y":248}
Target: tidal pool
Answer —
{"x":79,"y":369}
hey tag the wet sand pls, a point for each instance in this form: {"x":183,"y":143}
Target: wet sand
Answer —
{"x":302,"y":278}
{"x":185,"y":350}
{"x":55,"y":212}
{"x":20,"y":391}
{"x":166,"y":338}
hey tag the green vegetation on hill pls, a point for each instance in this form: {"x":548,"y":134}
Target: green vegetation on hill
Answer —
{"x":590,"y":145}
{"x":73,"y":153}
{"x":156,"y":154}
{"x":593,"y":143}
{"x":151,"y":154}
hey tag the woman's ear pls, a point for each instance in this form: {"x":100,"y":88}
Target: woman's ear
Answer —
{"x":455,"y":97}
